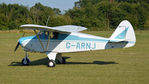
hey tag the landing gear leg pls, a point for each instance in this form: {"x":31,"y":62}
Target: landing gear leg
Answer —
{"x":25,"y":60}
{"x":52,"y":57}
{"x":55,"y":58}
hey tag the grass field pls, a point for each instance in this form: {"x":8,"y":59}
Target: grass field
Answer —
{"x":115,"y":66}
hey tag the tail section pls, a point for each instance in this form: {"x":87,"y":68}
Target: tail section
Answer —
{"x":124,"y":33}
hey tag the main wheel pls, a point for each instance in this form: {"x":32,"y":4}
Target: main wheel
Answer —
{"x":64,"y":60}
{"x":52,"y":63}
{"x":25,"y":61}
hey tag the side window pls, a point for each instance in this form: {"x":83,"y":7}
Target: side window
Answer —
{"x":55,"y":35}
{"x":44,"y":35}
{"x":40,"y":34}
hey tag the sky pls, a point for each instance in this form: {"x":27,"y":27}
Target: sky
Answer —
{"x":61,"y":4}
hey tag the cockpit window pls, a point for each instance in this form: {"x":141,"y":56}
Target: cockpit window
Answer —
{"x":46,"y":34}
{"x":55,"y":35}
{"x":43,"y":34}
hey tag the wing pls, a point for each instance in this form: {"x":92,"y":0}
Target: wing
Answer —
{"x":65,"y":28}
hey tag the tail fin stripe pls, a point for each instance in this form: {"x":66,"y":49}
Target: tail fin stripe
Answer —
{"x":122,"y":35}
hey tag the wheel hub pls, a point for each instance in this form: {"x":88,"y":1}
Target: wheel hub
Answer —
{"x":51,"y":64}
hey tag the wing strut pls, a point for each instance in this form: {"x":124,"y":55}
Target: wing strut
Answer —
{"x":48,"y":41}
{"x":39,"y":40}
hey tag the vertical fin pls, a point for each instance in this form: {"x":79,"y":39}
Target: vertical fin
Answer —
{"x":124,"y":32}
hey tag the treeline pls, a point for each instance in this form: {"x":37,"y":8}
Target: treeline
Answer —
{"x":105,"y":14}
{"x":93,"y":14}
{"x":14,"y":15}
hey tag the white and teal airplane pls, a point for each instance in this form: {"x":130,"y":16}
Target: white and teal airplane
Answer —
{"x":64,"y":39}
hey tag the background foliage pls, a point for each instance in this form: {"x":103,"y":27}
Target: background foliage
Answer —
{"x":93,"y":14}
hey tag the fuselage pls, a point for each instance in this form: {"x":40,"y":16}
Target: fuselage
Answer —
{"x":71,"y":42}
{"x":53,"y":41}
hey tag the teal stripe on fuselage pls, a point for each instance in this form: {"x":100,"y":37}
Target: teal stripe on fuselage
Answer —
{"x":25,"y":38}
{"x":66,"y":37}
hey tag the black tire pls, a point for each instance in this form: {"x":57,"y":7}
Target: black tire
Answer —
{"x":25,"y":62}
{"x":51,"y":63}
{"x":64,"y":60}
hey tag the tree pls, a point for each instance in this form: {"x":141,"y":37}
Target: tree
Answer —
{"x":93,"y":14}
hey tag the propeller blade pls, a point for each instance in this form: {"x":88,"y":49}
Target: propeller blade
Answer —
{"x":17,"y":47}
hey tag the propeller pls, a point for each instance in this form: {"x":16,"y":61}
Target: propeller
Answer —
{"x":16,"y":47}
{"x":19,"y":43}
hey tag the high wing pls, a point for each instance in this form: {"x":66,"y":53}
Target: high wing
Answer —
{"x":65,"y":28}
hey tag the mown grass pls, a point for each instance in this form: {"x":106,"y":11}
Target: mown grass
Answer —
{"x":115,"y":66}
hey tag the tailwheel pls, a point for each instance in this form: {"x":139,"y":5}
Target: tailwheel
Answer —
{"x":25,"y":61}
{"x":52,"y":63}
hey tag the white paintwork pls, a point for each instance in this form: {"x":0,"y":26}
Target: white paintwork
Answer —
{"x":129,"y":35}
{"x":60,"y":45}
{"x":51,"y":64}
{"x":51,"y":55}
{"x":76,"y":42}
{"x":65,"y":28}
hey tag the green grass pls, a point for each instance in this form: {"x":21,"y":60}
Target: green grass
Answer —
{"x":115,"y":66}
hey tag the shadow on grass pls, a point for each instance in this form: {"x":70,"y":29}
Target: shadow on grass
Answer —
{"x":94,"y":62}
{"x":44,"y":61}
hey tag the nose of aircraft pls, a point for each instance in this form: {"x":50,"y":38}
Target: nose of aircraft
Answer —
{"x":24,"y":41}
{"x":19,"y":43}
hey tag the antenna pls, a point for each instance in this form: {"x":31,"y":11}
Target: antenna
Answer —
{"x":47,"y":20}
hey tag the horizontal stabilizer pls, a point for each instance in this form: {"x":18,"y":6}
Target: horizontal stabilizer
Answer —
{"x":117,"y":40}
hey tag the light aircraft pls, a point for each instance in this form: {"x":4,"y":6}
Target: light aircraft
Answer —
{"x":53,"y":41}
